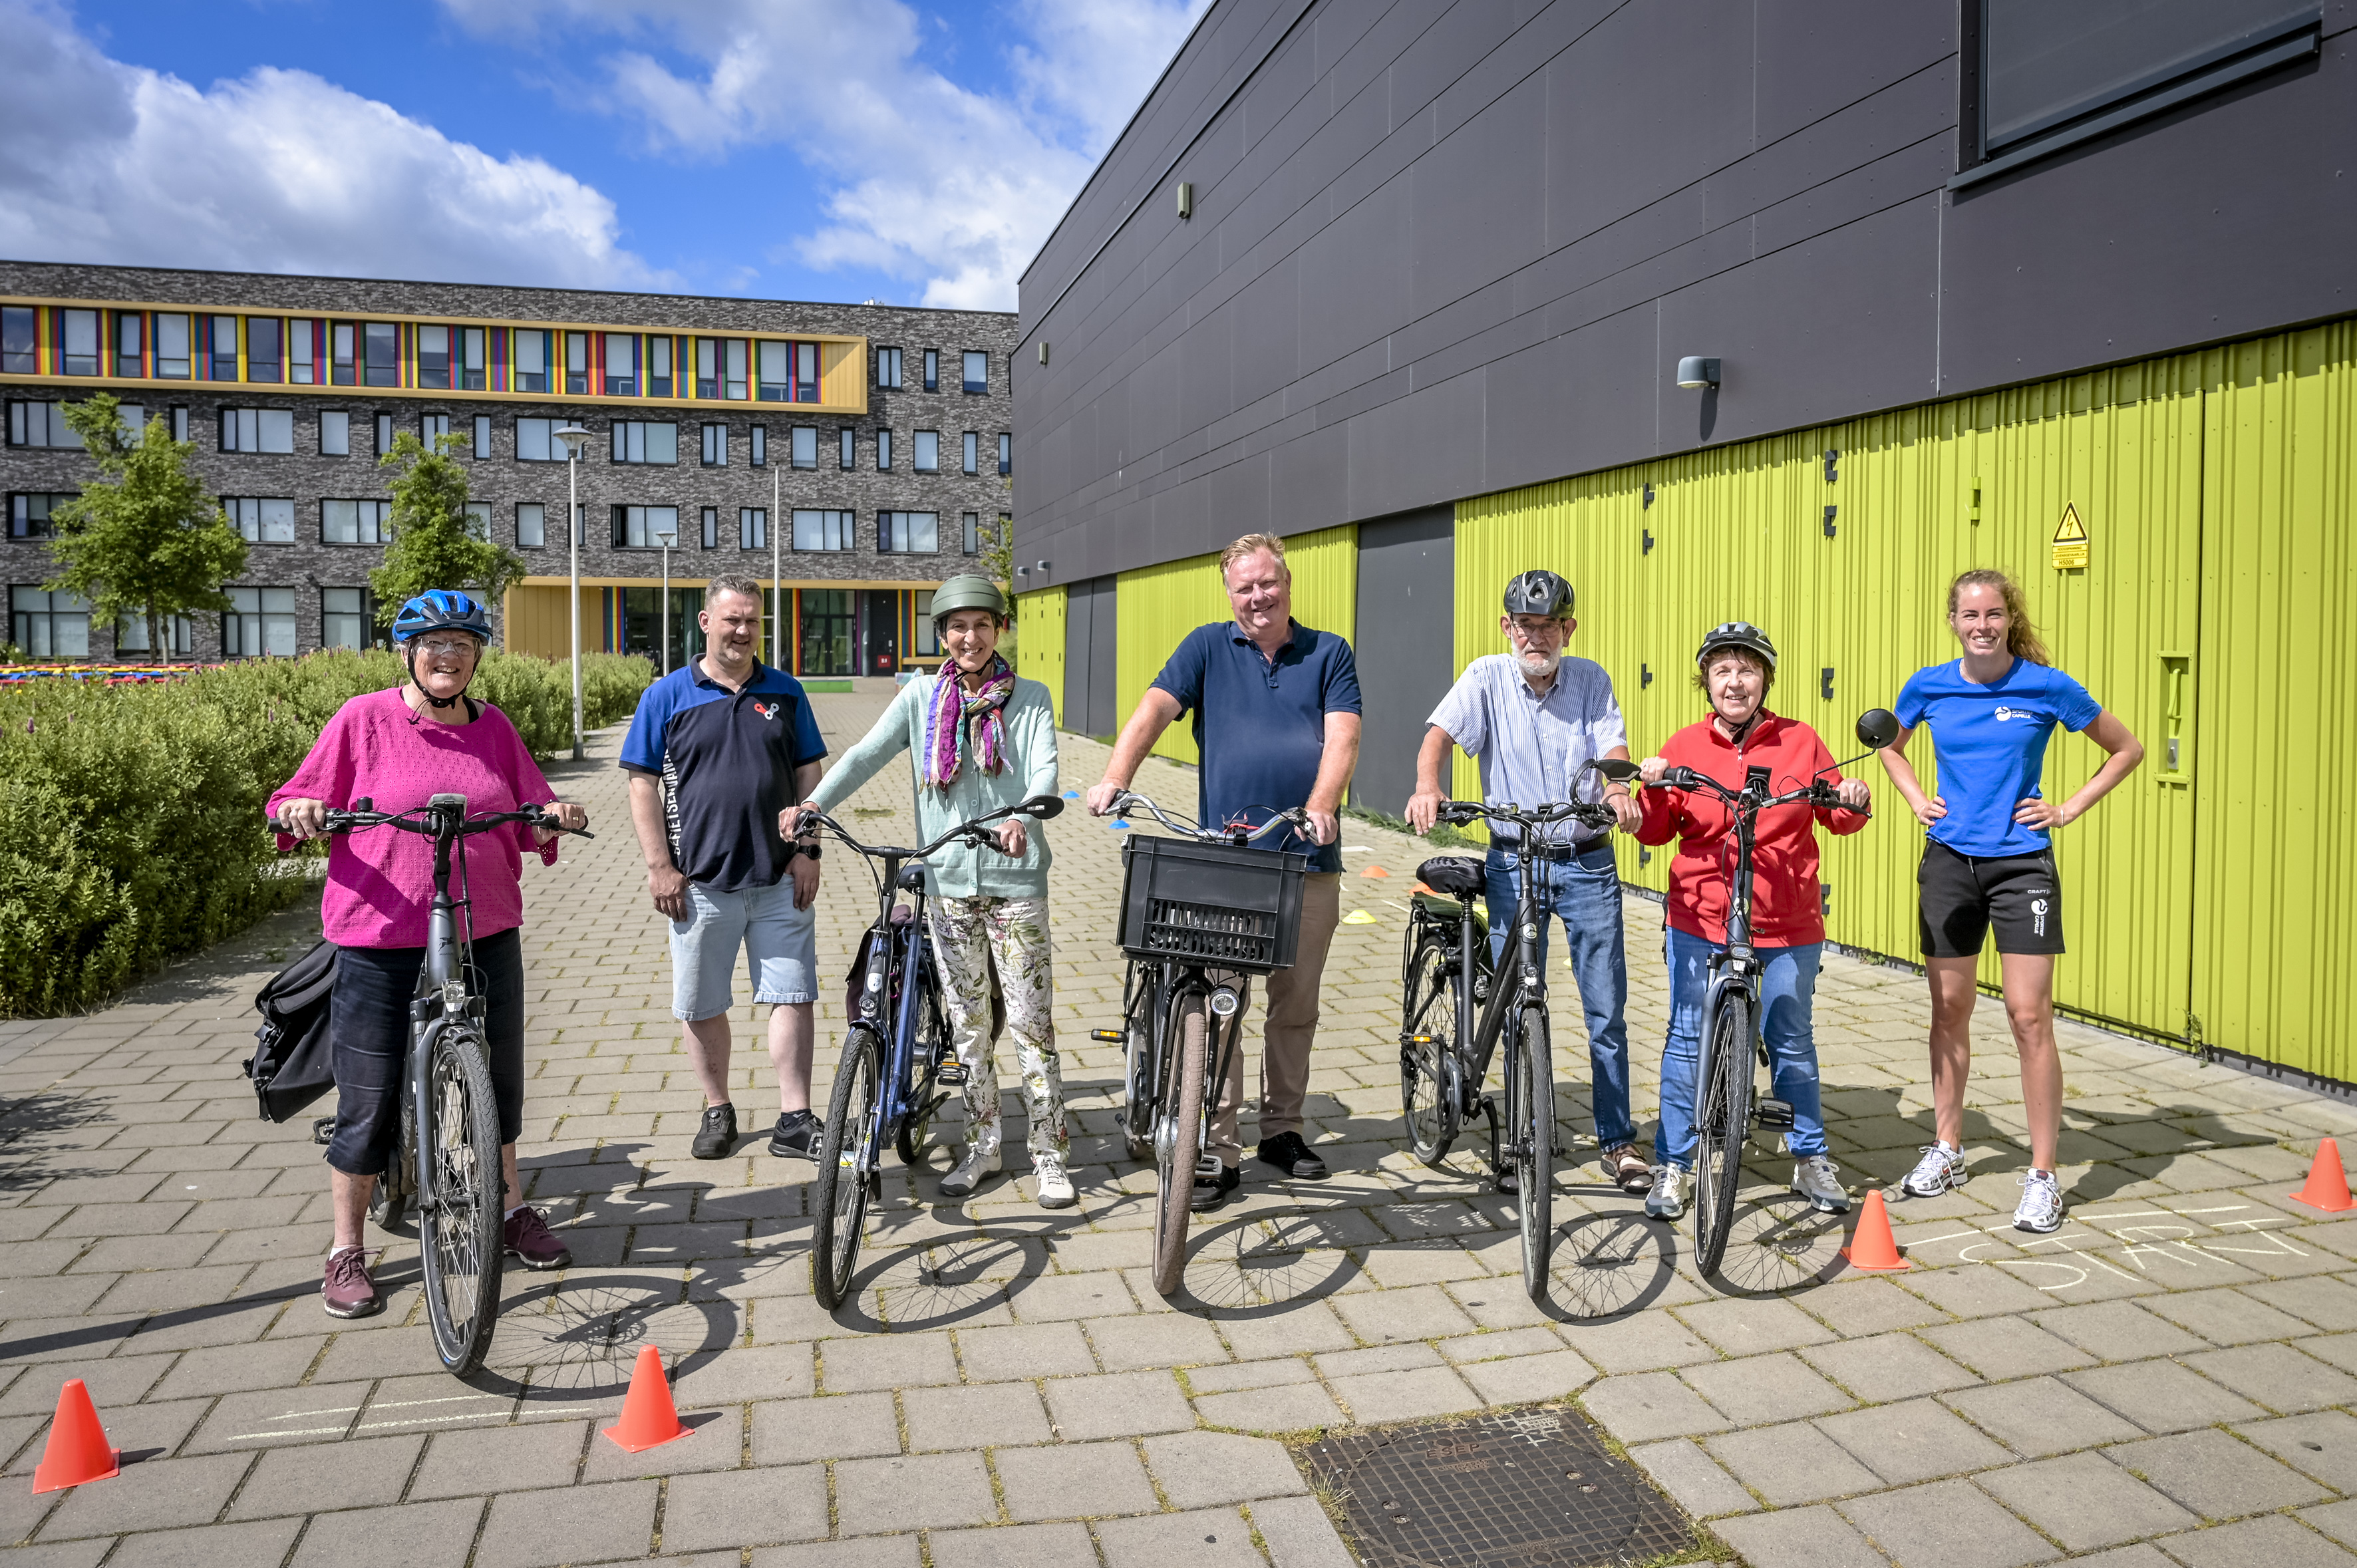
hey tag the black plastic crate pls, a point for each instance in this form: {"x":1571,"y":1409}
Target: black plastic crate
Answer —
{"x":1215,"y":904}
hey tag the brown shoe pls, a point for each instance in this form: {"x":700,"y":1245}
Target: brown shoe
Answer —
{"x":348,"y":1292}
{"x":532,"y":1243}
{"x":1625,"y":1168}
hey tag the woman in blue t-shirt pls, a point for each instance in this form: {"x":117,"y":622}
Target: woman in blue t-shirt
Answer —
{"x":1989,"y":862}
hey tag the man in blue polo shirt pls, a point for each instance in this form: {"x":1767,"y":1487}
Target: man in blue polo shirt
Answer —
{"x":1277,"y":725}
{"x":718,"y":750}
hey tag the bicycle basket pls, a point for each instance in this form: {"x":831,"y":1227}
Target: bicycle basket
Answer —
{"x":1215,"y":904}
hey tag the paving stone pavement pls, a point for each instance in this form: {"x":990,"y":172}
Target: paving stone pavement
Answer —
{"x":2169,"y":1378}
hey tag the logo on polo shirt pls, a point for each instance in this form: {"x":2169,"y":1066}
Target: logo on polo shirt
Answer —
{"x":767,"y":710}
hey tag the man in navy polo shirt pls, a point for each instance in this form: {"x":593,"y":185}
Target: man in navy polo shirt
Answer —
{"x":719,"y":749}
{"x":1277,"y":725}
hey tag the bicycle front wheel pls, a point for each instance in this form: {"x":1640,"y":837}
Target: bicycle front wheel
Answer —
{"x":1182,"y":1114}
{"x":1429,"y":1089}
{"x":1140,"y":1085}
{"x":1723,"y":1115}
{"x":459,"y":1222}
{"x":845,"y":1155}
{"x":926,"y":1096}
{"x":1534,"y":1169}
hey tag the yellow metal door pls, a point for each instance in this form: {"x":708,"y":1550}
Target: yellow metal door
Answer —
{"x":1040,"y":642}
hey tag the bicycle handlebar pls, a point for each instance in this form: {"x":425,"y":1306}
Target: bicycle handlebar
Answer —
{"x":1297,"y":818}
{"x":435,"y":821}
{"x":1816,"y":792}
{"x":1595,"y":815}
{"x":1040,"y":808}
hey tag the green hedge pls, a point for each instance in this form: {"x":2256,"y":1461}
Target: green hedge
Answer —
{"x":131,"y":816}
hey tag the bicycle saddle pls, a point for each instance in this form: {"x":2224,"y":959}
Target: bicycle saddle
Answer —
{"x":1455,"y":874}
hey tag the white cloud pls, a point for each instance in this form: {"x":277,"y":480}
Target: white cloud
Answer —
{"x":276,"y":171}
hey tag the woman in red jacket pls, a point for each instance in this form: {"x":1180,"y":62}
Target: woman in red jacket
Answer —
{"x":1735,"y":670}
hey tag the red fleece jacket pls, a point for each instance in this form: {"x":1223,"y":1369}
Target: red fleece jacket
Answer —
{"x":1786,"y":909}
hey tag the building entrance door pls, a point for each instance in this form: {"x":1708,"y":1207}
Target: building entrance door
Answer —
{"x":879,"y":633}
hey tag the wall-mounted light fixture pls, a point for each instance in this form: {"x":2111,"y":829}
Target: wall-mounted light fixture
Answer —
{"x":1039,"y":565}
{"x":1023,"y":571}
{"x":1186,"y":199}
{"x":1043,"y":352}
{"x":1695,"y":371}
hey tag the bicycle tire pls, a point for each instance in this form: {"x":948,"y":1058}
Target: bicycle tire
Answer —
{"x":460,"y":1222}
{"x":1429,"y":1092}
{"x":1723,"y":1118}
{"x":389,"y":1199}
{"x":1137,"y":1109}
{"x":1535,"y":1170}
{"x":927,"y":1097}
{"x":1182,"y":1106}
{"x":844,"y":1151}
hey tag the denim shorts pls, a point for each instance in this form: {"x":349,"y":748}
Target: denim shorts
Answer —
{"x":778,"y":939}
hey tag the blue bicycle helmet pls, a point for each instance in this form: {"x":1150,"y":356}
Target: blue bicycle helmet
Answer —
{"x":437,"y":609}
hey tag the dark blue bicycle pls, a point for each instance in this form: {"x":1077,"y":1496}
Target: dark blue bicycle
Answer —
{"x":897,"y":1067}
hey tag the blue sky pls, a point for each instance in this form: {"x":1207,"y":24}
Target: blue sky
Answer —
{"x":823,"y":149}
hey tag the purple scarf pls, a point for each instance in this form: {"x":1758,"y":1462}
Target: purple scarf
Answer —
{"x":955,"y":715}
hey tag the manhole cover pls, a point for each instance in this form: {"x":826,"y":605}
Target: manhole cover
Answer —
{"x":1531,"y":1489}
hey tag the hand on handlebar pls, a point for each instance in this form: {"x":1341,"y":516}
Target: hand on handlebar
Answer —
{"x":1654,"y":769}
{"x":1855,"y":794}
{"x":302,"y":819}
{"x":1325,"y":827}
{"x":1012,"y":838}
{"x":560,"y":816}
{"x":1103,"y":796}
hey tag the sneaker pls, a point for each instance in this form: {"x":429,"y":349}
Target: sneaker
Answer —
{"x":348,"y":1292}
{"x":1625,"y":1168}
{"x":797,"y":1133}
{"x":2041,"y":1204}
{"x":1667,"y":1198}
{"x":979,"y":1161}
{"x":1210,"y":1192}
{"x":531,"y":1243}
{"x":1290,"y":1155}
{"x":1818,"y":1179}
{"x":717,"y":1135}
{"x":1054,"y":1182}
{"x":1941,"y":1169}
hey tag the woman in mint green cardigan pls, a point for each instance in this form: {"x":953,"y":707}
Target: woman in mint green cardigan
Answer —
{"x":981,"y":738}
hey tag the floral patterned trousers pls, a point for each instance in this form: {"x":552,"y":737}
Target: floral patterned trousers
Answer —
{"x":969,"y":935}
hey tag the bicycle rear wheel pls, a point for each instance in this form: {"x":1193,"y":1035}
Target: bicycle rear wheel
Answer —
{"x":846,"y":1154}
{"x":1723,"y":1116}
{"x":1429,"y":1089}
{"x":459,"y":1222}
{"x":1182,"y":1114}
{"x":1534,"y":1169}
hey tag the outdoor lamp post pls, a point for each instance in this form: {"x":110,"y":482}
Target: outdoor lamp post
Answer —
{"x":776,"y":578}
{"x":666,"y":537}
{"x":574,"y":438}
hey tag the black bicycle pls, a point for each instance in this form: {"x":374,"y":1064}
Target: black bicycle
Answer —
{"x":1446,"y":1048}
{"x":896,"y":1070}
{"x":448,"y":1168}
{"x":1732,"y":1049}
{"x":1201,"y":914}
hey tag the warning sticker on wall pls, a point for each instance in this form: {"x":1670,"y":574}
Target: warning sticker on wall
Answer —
{"x":2070,"y":541}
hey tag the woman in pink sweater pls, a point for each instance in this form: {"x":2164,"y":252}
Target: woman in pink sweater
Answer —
{"x":397,"y":747}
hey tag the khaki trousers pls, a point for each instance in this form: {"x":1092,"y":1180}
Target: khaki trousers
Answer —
{"x":1289,"y":1024}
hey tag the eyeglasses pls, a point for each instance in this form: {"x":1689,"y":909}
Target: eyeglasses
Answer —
{"x":441,"y":648}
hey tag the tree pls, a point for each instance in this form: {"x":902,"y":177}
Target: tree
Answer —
{"x":998,"y":557}
{"x":433,"y":545}
{"x":145,"y":537}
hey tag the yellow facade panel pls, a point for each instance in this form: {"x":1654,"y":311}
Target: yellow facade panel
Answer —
{"x":1040,"y":642}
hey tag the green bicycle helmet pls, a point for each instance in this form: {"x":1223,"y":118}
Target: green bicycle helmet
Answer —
{"x":969,"y":592}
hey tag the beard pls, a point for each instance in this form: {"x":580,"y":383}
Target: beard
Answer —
{"x":1539,"y":666}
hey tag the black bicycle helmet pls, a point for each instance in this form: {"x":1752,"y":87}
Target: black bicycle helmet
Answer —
{"x":437,"y":609}
{"x":1738,"y":634}
{"x":1538,"y":592}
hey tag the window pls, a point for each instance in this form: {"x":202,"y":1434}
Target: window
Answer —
{"x":19,"y":341}
{"x":353,"y":523}
{"x":707,"y":367}
{"x":621,"y":364}
{"x":39,"y":424}
{"x":341,"y":356}
{"x":733,"y":358}
{"x":471,"y":343}
{"x":805,"y":372}
{"x":383,"y":433}
{"x":179,"y":421}
{"x":132,"y":418}
{"x":131,"y":634}
{"x":659,"y":367}
{"x":887,"y":368}
{"x":973,"y":460}
{"x":932,"y":370}
{"x":257,"y":430}
{"x":344,"y":618}
{"x":28,"y":515}
{"x":576,"y":363}
{"x":480,"y":443}
{"x":972,"y":522}
{"x":536,"y":442}
{"x":381,"y":354}
{"x":716,"y":445}
{"x":711,"y":521}
{"x":531,"y":356}
{"x":264,"y":519}
{"x":478,"y":519}
{"x":825,"y":618}
{"x":266,"y":348}
{"x":335,"y":434}
{"x":128,"y":325}
{"x":434,"y":357}
{"x":635,"y":441}
{"x":302,"y":351}
{"x":822,"y":530}
{"x":925,"y":454}
{"x":259,"y":621}
{"x":760,"y":445}
{"x":1006,"y":454}
{"x":752,"y":528}
{"x":636,"y":527}
{"x":431,"y":427}
{"x":777,"y":370}
{"x":172,"y":346}
{"x":908,"y":532}
{"x":221,"y":338}
{"x":79,"y":332}
{"x":928,"y":641}
{"x":805,"y":438}
{"x":977,"y":371}
{"x":850,"y":444}
{"x":47,"y":625}
{"x":883,"y":450}
{"x":531,"y":525}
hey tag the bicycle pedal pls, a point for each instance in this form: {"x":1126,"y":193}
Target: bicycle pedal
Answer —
{"x":952,"y":1073}
{"x":323,"y":1129}
{"x":1109,"y":1037}
{"x":1208,"y":1168}
{"x":1774,"y":1114}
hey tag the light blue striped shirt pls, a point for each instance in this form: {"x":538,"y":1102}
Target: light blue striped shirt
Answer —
{"x":1530,"y":748}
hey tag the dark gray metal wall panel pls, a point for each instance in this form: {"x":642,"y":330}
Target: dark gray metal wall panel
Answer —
{"x":1090,"y":608}
{"x":1405,"y":646}
{"x":1815,"y":56}
{"x":1105,"y":716}
{"x":1078,"y":598}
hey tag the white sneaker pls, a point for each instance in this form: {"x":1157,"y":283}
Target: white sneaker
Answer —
{"x":1055,"y":1183}
{"x":1941,"y":1169}
{"x":2041,"y":1204}
{"x":1667,"y":1200}
{"x":978,"y":1160}
{"x":1818,"y":1179}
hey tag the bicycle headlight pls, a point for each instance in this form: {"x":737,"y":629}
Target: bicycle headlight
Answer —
{"x":1224,"y":1003}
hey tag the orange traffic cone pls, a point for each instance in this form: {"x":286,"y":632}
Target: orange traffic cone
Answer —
{"x":649,"y":1418}
{"x":1871,"y":1245}
{"x":77,"y":1449}
{"x":1374,"y":871}
{"x":2327,"y":1188}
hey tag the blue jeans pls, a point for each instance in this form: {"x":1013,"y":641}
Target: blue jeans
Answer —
{"x":1788,"y":984}
{"x":1586,"y":893}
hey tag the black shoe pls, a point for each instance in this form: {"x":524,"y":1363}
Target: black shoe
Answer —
{"x":717,"y":1136}
{"x":1210,"y":1194}
{"x":797,"y":1133}
{"x":1288,"y":1154}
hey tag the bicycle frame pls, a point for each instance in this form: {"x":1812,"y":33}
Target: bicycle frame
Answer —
{"x":899,"y":971}
{"x":442,"y":993}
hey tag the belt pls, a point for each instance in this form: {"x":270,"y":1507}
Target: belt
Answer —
{"x":1557,"y":852}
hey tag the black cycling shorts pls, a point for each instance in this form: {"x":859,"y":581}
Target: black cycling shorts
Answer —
{"x":1962,"y":896}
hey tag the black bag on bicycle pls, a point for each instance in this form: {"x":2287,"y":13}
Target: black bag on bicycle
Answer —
{"x":295,"y":1063}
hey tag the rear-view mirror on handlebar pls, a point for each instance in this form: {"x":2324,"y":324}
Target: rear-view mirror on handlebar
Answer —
{"x":1877,"y":727}
{"x":1041,"y":806}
